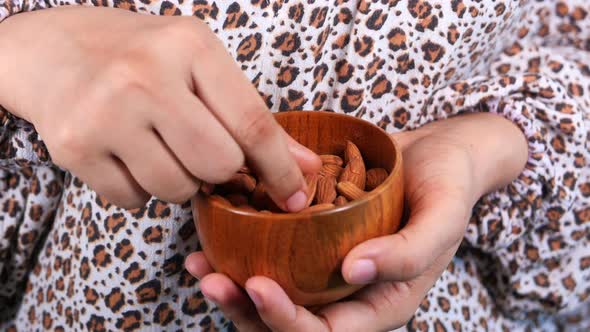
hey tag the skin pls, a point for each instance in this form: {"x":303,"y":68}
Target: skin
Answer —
{"x":116,"y":112}
{"x":448,"y":165}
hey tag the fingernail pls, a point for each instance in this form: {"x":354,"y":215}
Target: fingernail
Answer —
{"x":363,"y":271}
{"x":255,"y":298}
{"x":297,"y":201}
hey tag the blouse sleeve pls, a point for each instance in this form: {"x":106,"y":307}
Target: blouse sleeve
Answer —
{"x":20,"y":144}
{"x":544,"y":88}
{"x":29,"y":188}
{"x":535,"y":230}
{"x":11,"y":7}
{"x":30,"y":191}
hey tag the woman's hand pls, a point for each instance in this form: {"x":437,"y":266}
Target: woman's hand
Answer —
{"x":139,"y":105}
{"x":448,"y":166}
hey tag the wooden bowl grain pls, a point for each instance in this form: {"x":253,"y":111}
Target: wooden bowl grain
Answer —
{"x":303,"y":252}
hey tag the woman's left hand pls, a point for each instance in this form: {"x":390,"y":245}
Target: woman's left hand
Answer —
{"x":448,"y":165}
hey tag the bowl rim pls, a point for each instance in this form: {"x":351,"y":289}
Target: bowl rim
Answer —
{"x":397,"y":168}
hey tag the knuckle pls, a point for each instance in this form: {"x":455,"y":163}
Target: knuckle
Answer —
{"x":191,"y":29}
{"x":226,"y":160}
{"x":95,"y":119}
{"x":259,"y":127}
{"x":227,"y":168}
{"x":203,"y":44}
{"x":387,"y":301}
{"x":403,"y":320}
{"x":70,"y":145}
{"x":411,"y":264}
{"x":411,"y":267}
{"x":123,"y":76}
{"x":282,"y":176}
{"x":182,"y":192}
{"x":126,"y":202}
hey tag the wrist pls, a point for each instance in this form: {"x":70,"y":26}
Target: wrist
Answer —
{"x":28,"y":70}
{"x":496,"y":146}
{"x":500,"y":152}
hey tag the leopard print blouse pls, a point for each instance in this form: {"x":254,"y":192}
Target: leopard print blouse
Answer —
{"x":69,"y":260}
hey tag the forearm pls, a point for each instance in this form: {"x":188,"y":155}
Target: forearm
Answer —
{"x":18,"y":45}
{"x":18,"y":32}
{"x":27,"y":77}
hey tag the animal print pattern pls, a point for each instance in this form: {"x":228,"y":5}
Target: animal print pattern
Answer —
{"x":69,"y":260}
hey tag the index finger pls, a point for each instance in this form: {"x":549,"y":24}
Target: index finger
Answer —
{"x":227,"y":92}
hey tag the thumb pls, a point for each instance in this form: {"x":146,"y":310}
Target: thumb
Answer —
{"x":410,"y":252}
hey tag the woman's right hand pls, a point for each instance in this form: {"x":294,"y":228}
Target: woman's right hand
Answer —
{"x":137,"y":105}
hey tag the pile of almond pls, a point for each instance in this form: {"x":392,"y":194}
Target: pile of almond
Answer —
{"x":338,"y":182}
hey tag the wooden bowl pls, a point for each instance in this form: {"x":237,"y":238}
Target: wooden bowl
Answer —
{"x":303,"y":252}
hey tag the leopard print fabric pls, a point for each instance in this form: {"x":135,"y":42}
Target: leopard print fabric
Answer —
{"x":69,"y":260}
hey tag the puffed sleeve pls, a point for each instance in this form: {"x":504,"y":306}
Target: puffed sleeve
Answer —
{"x":30,"y":188}
{"x":535,"y":230}
{"x":19,"y":142}
{"x":11,"y":7}
{"x":30,"y":191}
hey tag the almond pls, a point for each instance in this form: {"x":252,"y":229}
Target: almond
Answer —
{"x":271,"y":205}
{"x":237,"y":199}
{"x":240,"y":182}
{"x":375,"y":177}
{"x":349,"y":190}
{"x":331,"y":159}
{"x":319,"y":207}
{"x":340,"y":200}
{"x":207,"y":187}
{"x":340,"y":180}
{"x":312,"y":184}
{"x":220,"y":199}
{"x":260,"y":199}
{"x":258,"y":195}
{"x":326,"y":192}
{"x":331,"y":170}
{"x":351,"y":152}
{"x":354,"y":172}
{"x":244,"y":169}
{"x":247,"y":208}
